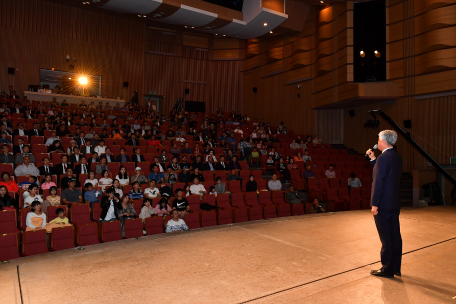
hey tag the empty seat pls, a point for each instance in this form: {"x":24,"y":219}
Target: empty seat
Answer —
{"x":193,"y":220}
{"x":297,"y":181}
{"x":353,"y":204}
{"x":110,"y":231}
{"x":284,"y":210}
{"x":223,"y":201}
{"x":62,"y":238}
{"x":96,"y":212}
{"x":297,"y":209}
{"x":8,"y":222}
{"x":355,"y":193}
{"x":265,"y":198}
{"x":34,"y":242}
{"x":9,"y":247}
{"x":80,"y":214}
{"x":208,"y":176}
{"x":234,"y":186}
{"x":154,"y":225}
{"x":208,"y":219}
{"x":133,"y":228}
{"x":278,"y":198}
{"x":334,"y":183}
{"x":270,"y":212}
{"x":224,"y":217}
{"x":87,"y":234}
{"x":334,"y":202}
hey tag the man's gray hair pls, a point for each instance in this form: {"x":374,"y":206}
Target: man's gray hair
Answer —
{"x":389,"y":136}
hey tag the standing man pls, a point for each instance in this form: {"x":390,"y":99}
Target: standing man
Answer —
{"x":386,"y":203}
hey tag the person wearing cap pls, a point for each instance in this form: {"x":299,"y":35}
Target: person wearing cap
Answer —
{"x":185,"y":176}
{"x":71,"y":195}
{"x":138,"y":177}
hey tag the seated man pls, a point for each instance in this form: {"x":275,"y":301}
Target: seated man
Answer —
{"x":6,"y":157}
{"x":26,"y":169}
{"x":330,"y":173}
{"x":209,"y":165}
{"x":186,"y":149}
{"x":274,"y":184}
{"x":180,"y":203}
{"x":185,"y":163}
{"x":197,"y":188}
{"x":293,"y":197}
{"x":221,"y":165}
{"x":185,"y":176}
{"x":71,"y":195}
{"x":232,"y":141}
{"x":176,"y":224}
{"x":46,"y":167}
{"x":309,"y":173}
{"x":233,"y":176}
{"x":306,"y":156}
{"x":122,"y":157}
{"x":156,"y":175}
{"x":25,"y":152}
{"x":353,"y":181}
{"x":109,"y":206}
{"x":65,"y":181}
{"x":138,"y":177}
{"x":102,"y":166}
{"x":316,"y":207}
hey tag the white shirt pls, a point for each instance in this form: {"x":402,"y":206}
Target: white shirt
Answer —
{"x":195,"y":189}
{"x":122,"y":181}
{"x":110,"y":215}
{"x":31,"y":215}
{"x":100,"y":150}
{"x":386,"y":149}
{"x":153,"y":193}
{"x":29,"y":200}
{"x":91,"y":181}
{"x":21,"y":132}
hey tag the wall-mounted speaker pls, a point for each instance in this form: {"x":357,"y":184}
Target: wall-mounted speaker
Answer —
{"x":299,"y":95}
{"x":254,"y":89}
{"x":351,"y":113}
{"x":11,"y":71}
{"x":125,"y":84}
{"x":407,"y":124}
{"x":187,"y":91}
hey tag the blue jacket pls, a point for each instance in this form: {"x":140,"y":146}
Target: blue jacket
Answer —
{"x":386,"y":181}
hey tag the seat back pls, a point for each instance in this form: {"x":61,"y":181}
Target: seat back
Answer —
{"x":262,"y":184}
{"x":23,"y":218}
{"x":234,"y":186}
{"x":244,"y":174}
{"x":237,"y":200}
{"x":334,"y":183}
{"x":154,"y":225}
{"x":223,"y":201}
{"x":50,"y":212}
{"x":209,"y":199}
{"x":8,"y":222}
{"x":312,"y":184}
{"x":343,"y":194}
{"x":332,"y":194}
{"x":111,"y":231}
{"x":80,"y":214}
{"x":34,"y":242}
{"x":295,"y":174}
{"x":257,"y":174}
{"x":355,"y":193}
{"x":62,"y":238}
{"x":208,"y":176}
{"x":265,"y":197}
{"x":133,"y":228}
{"x":251,"y":199}
{"x":87,"y":234}
{"x":9,"y":247}
{"x":96,"y":211}
{"x":277,"y":197}
{"x":323,"y":184}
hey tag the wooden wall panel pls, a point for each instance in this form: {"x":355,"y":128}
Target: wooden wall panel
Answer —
{"x":39,"y":34}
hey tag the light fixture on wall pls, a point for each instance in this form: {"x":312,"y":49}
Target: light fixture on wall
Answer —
{"x":362,"y":54}
{"x":377,"y":54}
{"x":270,"y":32}
{"x":265,"y":24}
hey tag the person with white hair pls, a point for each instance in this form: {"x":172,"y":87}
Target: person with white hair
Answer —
{"x":386,"y":203}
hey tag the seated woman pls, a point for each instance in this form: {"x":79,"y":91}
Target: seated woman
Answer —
{"x":47,"y":182}
{"x":52,"y":199}
{"x":291,"y":165}
{"x":162,"y":207}
{"x":56,"y":147}
{"x":123,"y":176}
{"x":115,"y":135}
{"x":125,"y":212}
{"x":36,"y":218}
{"x":176,"y":224}
{"x":6,"y":201}
{"x":298,"y":157}
{"x":70,"y":149}
{"x":32,"y":196}
{"x":146,"y":210}
{"x":220,"y":186}
{"x":8,"y":183}
{"x":136,"y":193}
{"x":251,"y":185}
{"x":282,"y":168}
{"x":105,"y":181}
{"x":117,"y":188}
{"x":92,"y":180}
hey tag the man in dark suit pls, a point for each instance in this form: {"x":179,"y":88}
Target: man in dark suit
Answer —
{"x":81,"y":141}
{"x":221,"y":165}
{"x":20,"y":131}
{"x":46,"y":167}
{"x":76,"y":156}
{"x":122,"y":157}
{"x":36,"y":131}
{"x":137,"y":157}
{"x":234,"y":164}
{"x":82,"y":168}
{"x":63,"y":167}
{"x":14,"y":95}
{"x":386,"y":203}
{"x":5,"y":157}
{"x":209,"y":165}
{"x":17,"y":149}
{"x":88,"y":148}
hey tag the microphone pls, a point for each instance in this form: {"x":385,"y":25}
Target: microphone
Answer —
{"x":375,"y":147}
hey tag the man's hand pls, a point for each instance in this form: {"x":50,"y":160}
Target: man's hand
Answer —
{"x":374,"y":210}
{"x":371,"y":154}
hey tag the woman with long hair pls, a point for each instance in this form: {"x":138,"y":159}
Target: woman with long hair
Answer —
{"x":123,"y":176}
{"x":36,"y":218}
{"x":6,"y":201}
{"x":56,"y":147}
{"x":125,"y":212}
{"x":162,"y":207}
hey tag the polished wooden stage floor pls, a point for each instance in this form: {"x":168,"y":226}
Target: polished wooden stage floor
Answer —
{"x":323,"y":258}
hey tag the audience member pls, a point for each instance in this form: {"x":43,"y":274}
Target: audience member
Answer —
{"x":176,"y":224}
{"x":309,"y":173}
{"x":274,"y":184}
{"x":26,"y":169}
{"x":233,"y":176}
{"x":71,"y":195}
{"x":353,"y":181}
{"x":125,"y":212}
{"x":162,"y":208}
{"x":36,"y":218}
{"x":146,"y":211}
{"x":6,"y":200}
{"x":292,"y":196}
{"x":197,"y":188}
{"x":180,"y":203}
{"x":10,"y":185}
{"x":109,"y":206}
{"x":330,"y":173}
{"x":316,"y":208}
{"x":138,"y":177}
{"x":251,"y":185}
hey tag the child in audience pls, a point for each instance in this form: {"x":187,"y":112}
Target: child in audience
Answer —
{"x":146,"y":210}
{"x":90,"y":195}
{"x":162,"y":207}
{"x":47,"y":182}
{"x":92,"y":179}
{"x":136,"y":193}
{"x":256,"y":157}
{"x":25,"y":184}
{"x":61,"y":219}
{"x":212,"y":191}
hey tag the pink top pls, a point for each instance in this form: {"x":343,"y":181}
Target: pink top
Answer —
{"x":45,"y":186}
{"x":162,"y":211}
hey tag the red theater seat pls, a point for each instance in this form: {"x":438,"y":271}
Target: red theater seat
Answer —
{"x":234,"y":186}
{"x":193,"y":220}
{"x":8,"y":222}
{"x":284,"y":210}
{"x":334,"y":202}
{"x":353,"y":204}
{"x":297,"y":181}
{"x":34,"y":242}
{"x":208,"y":219}
{"x":110,"y":231}
{"x":270,"y":212}
{"x":9,"y":247}
{"x":62,"y":238}
{"x":355,"y":193}
{"x":80,"y":214}
{"x":87,"y":234}
{"x":224,"y":217}
{"x":265,"y":198}
{"x":154,"y":225}
{"x":96,"y":212}
{"x":223,"y":201}
{"x":133,"y":228}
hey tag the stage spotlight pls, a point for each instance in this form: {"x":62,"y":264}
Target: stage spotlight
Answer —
{"x":83,"y":80}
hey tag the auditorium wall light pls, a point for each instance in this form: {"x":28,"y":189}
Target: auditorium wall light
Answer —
{"x":377,"y":54}
{"x":265,"y":24}
{"x":362,"y":54}
{"x":83,"y":80}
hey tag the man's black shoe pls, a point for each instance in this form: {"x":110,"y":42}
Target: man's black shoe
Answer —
{"x":379,"y":273}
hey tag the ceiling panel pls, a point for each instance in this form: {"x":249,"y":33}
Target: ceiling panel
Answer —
{"x":142,"y":7}
{"x":190,"y":16}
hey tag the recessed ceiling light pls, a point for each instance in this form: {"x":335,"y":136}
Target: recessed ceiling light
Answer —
{"x":321,"y":1}
{"x":185,"y":26}
{"x":265,"y":24}
{"x":216,"y":34}
{"x":270,"y":32}
{"x":193,"y":27}
{"x":223,"y":35}
{"x":375,"y":51}
{"x":144,"y":16}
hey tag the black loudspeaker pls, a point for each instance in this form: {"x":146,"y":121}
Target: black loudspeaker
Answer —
{"x":187,"y":91}
{"x":351,"y":113}
{"x":11,"y":71}
{"x":299,"y":95}
{"x":407,"y":124}
{"x":125,"y":84}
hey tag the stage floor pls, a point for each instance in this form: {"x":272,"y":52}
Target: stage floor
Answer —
{"x":324,"y":258}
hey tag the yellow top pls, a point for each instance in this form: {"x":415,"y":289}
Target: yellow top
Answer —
{"x":58,"y":220}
